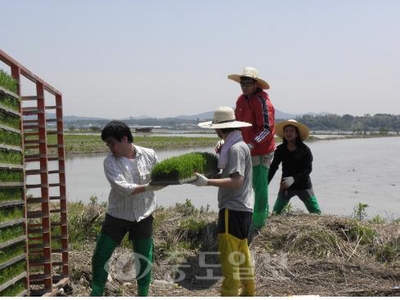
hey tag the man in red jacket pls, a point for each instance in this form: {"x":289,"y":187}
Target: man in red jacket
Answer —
{"x":255,"y":107}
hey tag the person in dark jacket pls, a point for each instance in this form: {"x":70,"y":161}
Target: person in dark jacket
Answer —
{"x":296,"y":159}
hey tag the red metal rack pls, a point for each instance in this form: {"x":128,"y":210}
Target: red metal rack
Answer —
{"x":45,"y":184}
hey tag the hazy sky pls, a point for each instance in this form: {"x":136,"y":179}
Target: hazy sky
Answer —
{"x":116,"y":58}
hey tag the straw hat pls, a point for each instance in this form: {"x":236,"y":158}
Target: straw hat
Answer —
{"x":252,"y":73}
{"x":303,"y":129}
{"x":224,"y":117}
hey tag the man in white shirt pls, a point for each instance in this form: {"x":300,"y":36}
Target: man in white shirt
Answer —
{"x":131,"y":203}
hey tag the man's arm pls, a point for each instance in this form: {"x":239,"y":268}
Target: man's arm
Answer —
{"x":235,"y":181}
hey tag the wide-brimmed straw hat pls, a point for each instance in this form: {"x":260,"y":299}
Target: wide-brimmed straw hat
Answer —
{"x":224,"y":117}
{"x":304,"y":132}
{"x":252,"y":73}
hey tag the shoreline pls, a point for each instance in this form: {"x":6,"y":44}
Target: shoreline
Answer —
{"x":90,"y":143}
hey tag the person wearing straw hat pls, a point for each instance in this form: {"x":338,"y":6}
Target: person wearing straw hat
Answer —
{"x":255,"y":107}
{"x":235,"y":203}
{"x":296,"y":159}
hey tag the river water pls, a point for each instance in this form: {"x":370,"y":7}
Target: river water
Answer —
{"x":345,"y":172}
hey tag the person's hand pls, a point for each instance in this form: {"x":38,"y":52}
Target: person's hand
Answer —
{"x":218,"y":146}
{"x":152,"y":187}
{"x":287,"y":181}
{"x":200,"y":181}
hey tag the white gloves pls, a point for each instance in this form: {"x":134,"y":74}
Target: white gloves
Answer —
{"x":152,"y":188}
{"x":200,"y":181}
{"x":287,"y":181}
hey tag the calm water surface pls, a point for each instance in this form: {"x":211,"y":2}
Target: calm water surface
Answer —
{"x":345,"y":172}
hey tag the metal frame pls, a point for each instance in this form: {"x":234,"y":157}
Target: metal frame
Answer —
{"x":45,"y":198}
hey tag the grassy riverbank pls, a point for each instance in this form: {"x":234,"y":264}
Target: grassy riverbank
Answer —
{"x":92,"y":143}
{"x":295,"y":254}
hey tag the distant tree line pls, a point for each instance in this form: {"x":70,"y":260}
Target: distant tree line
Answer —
{"x":92,"y":124}
{"x":382,"y":123}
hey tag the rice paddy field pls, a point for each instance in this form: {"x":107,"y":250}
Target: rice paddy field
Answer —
{"x":76,"y":144}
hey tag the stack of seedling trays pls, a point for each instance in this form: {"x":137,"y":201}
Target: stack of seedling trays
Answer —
{"x":13,"y":257}
{"x":180,"y":169}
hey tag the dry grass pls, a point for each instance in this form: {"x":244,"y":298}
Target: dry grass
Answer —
{"x":295,"y":254}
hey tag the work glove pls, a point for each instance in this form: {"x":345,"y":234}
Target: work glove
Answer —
{"x":200,"y":181}
{"x":152,"y":187}
{"x":287,"y":181}
{"x":218,"y":146}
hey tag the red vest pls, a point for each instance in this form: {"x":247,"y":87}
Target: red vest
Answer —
{"x":259,"y":111}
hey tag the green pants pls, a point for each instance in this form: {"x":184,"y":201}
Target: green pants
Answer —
{"x":143,"y":249}
{"x":260,"y":187}
{"x":306,"y":195}
{"x":105,"y":247}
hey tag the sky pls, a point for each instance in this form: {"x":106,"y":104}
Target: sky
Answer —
{"x":119,"y":59}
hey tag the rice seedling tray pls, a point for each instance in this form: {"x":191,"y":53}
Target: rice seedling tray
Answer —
{"x":177,"y":182}
{"x":173,"y":182}
{"x":180,"y":169}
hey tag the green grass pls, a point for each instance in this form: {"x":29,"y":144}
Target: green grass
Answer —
{"x":360,"y":211}
{"x":7,"y":82}
{"x":92,"y":143}
{"x":193,"y":231}
{"x":9,"y":102}
{"x":11,"y":272}
{"x":11,"y":175}
{"x":84,"y":220}
{"x":318,"y":242}
{"x":10,"y":194}
{"x":10,"y":138}
{"x":12,"y":251}
{"x":10,"y":157}
{"x":12,"y":213}
{"x":183,"y":166}
{"x":10,"y":233}
{"x":363,"y":234}
{"x":14,"y":289}
{"x":10,"y":121}
{"x":388,"y":253}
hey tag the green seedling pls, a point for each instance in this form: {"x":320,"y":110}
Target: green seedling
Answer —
{"x":182,"y":167}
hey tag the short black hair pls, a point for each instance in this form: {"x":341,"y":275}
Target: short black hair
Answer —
{"x":117,"y":130}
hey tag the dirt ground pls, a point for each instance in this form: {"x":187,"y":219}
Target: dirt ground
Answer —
{"x":296,"y":254}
